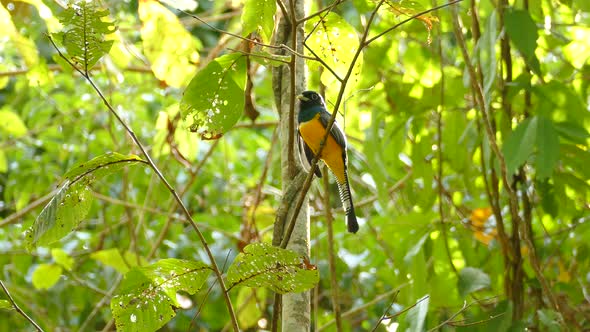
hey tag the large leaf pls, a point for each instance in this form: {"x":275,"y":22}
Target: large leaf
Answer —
{"x":215,"y":96}
{"x":147,"y":296}
{"x":282,"y":270}
{"x":335,"y":42}
{"x":523,"y":32}
{"x":66,"y":210}
{"x":547,"y":148}
{"x":85,"y":27}
{"x":258,"y":15}
{"x":520,"y":144}
{"x":471,"y":280}
{"x":173,"y":51}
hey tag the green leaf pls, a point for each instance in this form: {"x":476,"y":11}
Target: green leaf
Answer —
{"x":576,"y":158}
{"x":572,"y":131}
{"x":66,"y":210}
{"x":583,"y":5}
{"x":258,"y":15}
{"x":215,"y":96}
{"x":335,"y":42}
{"x":147,"y":296}
{"x":281,"y":270}
{"x":549,"y":320}
{"x":417,"y":315}
{"x":520,"y":144}
{"x":251,"y":313}
{"x":11,"y":124}
{"x":46,"y":276}
{"x":547,"y":193}
{"x":83,"y":37}
{"x":62,"y":258}
{"x":113,"y":258}
{"x":547,"y":147}
{"x":471,"y":280}
{"x":3,"y":162}
{"x":487,"y":54}
{"x":101,"y":166}
{"x":523,"y":32}
{"x":6,"y":305}
{"x":415,"y":249}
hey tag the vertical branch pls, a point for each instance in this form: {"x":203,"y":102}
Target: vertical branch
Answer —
{"x":292,"y":92}
{"x":331,"y":252}
{"x":439,"y":178}
{"x":287,"y":82}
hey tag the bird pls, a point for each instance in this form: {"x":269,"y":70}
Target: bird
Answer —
{"x":313,"y":120}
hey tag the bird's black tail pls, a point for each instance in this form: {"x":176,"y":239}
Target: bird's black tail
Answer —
{"x":346,"y":198}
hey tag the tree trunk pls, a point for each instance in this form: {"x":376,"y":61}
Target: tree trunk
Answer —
{"x":295,"y":307}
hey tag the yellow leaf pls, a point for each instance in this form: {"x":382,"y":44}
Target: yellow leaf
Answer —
{"x":170,"y":48}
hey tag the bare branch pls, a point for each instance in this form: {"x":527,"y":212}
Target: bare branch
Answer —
{"x":18,"y":309}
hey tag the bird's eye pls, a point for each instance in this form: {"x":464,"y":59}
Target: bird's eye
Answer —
{"x":314,"y":96}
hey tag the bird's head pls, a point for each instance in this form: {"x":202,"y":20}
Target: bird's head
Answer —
{"x":310,"y":98}
{"x":311,"y":103}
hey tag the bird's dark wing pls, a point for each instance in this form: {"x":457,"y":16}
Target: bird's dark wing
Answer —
{"x":305,"y":150}
{"x":336,"y":132}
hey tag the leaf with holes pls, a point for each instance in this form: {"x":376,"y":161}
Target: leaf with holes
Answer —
{"x":147,"y":296}
{"x":215,"y":96}
{"x":71,"y":203}
{"x":258,"y":15}
{"x":336,"y":42}
{"x":282,"y":270}
{"x":83,"y":37}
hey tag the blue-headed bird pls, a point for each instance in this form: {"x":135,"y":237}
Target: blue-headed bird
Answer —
{"x":313,"y":121}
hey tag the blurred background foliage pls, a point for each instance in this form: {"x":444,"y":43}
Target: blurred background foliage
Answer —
{"x":425,"y":180}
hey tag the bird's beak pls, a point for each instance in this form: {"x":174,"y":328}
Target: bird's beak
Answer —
{"x":302,"y":97}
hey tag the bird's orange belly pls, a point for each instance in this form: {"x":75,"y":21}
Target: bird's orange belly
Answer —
{"x":312,"y":133}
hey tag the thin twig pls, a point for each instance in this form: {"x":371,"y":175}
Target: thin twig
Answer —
{"x":163,"y":180}
{"x":391,"y":303}
{"x":18,"y":309}
{"x":406,"y":309}
{"x":319,"y":12}
{"x":363,"y":307}
{"x":513,"y":199}
{"x":408,"y":20}
{"x":307,"y":183}
{"x":439,"y":143}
